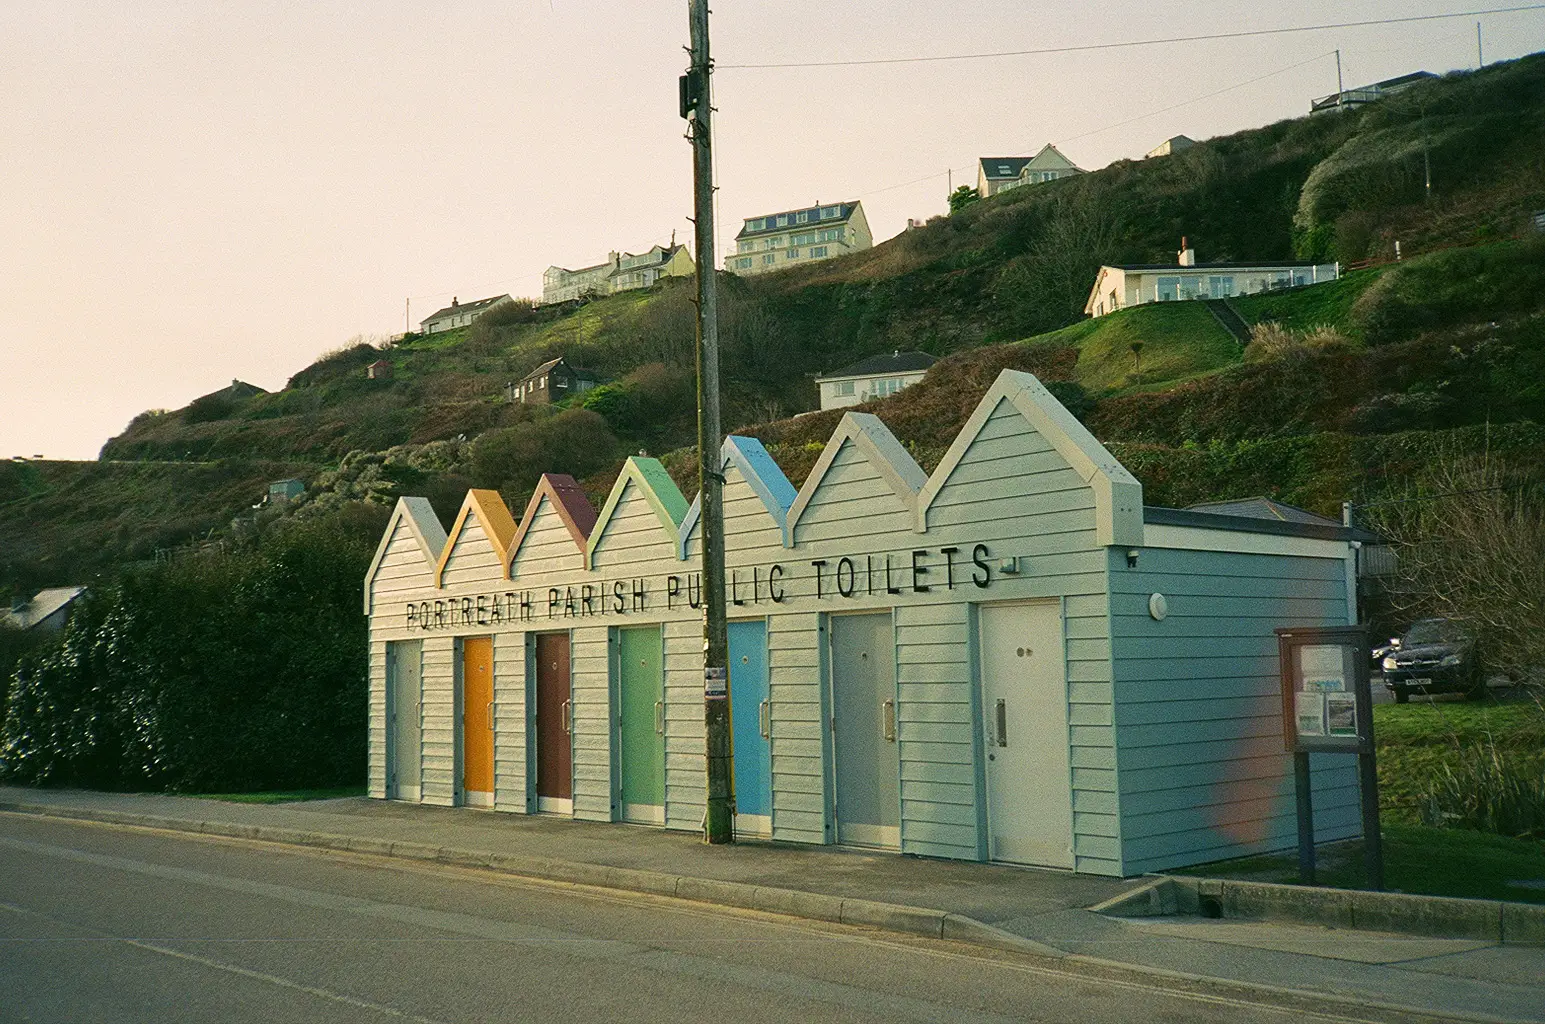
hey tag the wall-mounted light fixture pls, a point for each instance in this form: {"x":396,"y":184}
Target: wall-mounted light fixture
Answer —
{"x":1009,"y":566}
{"x":1131,"y":558}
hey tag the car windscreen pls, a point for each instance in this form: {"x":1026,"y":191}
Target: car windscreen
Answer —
{"x":1433,"y":631}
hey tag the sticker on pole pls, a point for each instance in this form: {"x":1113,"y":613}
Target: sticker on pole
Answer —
{"x":716,"y":683}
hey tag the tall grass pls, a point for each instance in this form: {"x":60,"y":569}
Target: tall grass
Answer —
{"x":1488,"y":790}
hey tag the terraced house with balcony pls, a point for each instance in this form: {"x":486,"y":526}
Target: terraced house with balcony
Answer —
{"x":778,"y":240}
{"x":622,"y":271}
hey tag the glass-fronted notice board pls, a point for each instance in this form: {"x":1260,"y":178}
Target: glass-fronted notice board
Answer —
{"x":1325,"y":689}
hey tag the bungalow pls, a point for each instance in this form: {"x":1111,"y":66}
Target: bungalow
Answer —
{"x":778,"y":240}
{"x":460,"y":314}
{"x":1118,"y":286}
{"x":1365,"y":94}
{"x":996,"y":174}
{"x":1173,"y":144}
{"x":553,"y":381}
{"x":872,"y":378}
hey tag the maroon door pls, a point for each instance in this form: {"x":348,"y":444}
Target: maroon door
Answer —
{"x":554,"y":764}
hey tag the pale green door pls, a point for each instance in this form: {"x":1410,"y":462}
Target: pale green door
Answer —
{"x":641,"y":697}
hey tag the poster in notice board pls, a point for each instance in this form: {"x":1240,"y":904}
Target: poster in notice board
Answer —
{"x":1325,"y":689}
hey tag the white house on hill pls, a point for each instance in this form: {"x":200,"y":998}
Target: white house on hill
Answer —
{"x":621,"y":272}
{"x":777,"y":240}
{"x":1118,"y":286}
{"x":460,"y":314}
{"x":996,"y":174}
{"x":872,"y":378}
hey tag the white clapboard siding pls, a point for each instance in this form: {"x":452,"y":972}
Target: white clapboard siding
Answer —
{"x":512,"y":785}
{"x":473,"y":560}
{"x":441,"y":722}
{"x":1198,"y":710}
{"x":376,"y":763}
{"x":595,"y":788}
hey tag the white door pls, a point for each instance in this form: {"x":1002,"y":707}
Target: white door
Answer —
{"x":1025,"y":718}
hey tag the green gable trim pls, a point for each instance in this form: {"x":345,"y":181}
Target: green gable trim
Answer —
{"x":657,"y":488}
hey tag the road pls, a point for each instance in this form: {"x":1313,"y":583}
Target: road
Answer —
{"x":101,"y":923}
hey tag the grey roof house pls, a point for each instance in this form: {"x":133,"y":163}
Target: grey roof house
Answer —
{"x":48,"y":610}
{"x":875,"y":377}
{"x":460,"y":314}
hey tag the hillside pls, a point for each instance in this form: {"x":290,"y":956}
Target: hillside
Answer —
{"x":1367,"y":378}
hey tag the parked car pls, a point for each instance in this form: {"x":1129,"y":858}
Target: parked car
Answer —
{"x":1434,"y":656}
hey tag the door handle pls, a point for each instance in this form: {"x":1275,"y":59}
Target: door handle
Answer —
{"x":568,"y":716}
{"x":888,"y":712}
{"x":764,"y":719}
{"x":1002,"y":723}
{"x":659,"y":717}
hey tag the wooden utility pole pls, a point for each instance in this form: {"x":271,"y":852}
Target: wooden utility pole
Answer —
{"x":697,"y":108}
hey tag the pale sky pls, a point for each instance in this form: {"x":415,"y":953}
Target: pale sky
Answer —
{"x":195,"y":192}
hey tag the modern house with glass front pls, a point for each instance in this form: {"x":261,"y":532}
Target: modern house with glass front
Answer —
{"x":779,"y":240}
{"x":1118,"y":286}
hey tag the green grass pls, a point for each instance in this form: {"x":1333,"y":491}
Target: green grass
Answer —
{"x":1415,"y":741}
{"x":1180,"y":340}
{"x":1417,"y":859}
{"x":287,"y":796}
{"x":1305,"y":308}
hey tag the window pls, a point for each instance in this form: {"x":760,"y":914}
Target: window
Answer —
{"x":777,"y":242}
{"x":803,"y":217}
{"x":1113,"y":303}
{"x":768,"y":259}
{"x":1220,"y":287}
{"x":744,"y":264}
{"x":543,"y":382}
{"x":828,"y":212}
{"x":817,"y":252}
{"x":1169,"y":289}
{"x":842,"y":388}
{"x":783,"y":220}
{"x":804,"y":238}
{"x":756,"y":225}
{"x":793,"y":254}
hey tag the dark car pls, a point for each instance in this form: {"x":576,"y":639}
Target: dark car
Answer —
{"x":1434,"y":656}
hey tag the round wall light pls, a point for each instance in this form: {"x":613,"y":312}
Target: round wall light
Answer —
{"x":1158,"y":607}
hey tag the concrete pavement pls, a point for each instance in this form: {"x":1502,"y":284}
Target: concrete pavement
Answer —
{"x":1036,"y":912}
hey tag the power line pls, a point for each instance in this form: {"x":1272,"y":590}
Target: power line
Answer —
{"x":1197,"y":99}
{"x":1083,"y":48}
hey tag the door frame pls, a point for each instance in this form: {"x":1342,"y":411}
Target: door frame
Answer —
{"x":766,"y":622}
{"x":829,"y":713}
{"x":391,"y":756}
{"x":614,"y":689}
{"x":533,"y":751}
{"x":979,"y":700}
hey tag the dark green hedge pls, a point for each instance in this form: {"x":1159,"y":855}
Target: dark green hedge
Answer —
{"x":240,"y":672}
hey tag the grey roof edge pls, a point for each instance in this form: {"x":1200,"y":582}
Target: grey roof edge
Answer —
{"x":903,"y":362}
{"x":1158,"y":516}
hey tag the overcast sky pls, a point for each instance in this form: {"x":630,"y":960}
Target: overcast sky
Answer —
{"x":194,"y":192}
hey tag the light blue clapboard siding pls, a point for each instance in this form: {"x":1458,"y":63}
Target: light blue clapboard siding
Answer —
{"x":441,"y":722}
{"x":405,"y":574}
{"x":1202,"y":767}
{"x":594,"y":772}
{"x":798,"y":751}
{"x":933,"y":674}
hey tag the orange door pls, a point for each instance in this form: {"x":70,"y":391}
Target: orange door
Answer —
{"x":477,"y":720}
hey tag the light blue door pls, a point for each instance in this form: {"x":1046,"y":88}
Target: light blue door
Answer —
{"x":750,"y":720}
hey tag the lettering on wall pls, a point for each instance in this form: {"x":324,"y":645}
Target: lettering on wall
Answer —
{"x":920,"y":571}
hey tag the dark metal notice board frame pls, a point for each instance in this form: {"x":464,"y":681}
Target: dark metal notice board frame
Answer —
{"x":1327,"y":707}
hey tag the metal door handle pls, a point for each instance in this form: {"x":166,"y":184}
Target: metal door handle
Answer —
{"x":764,"y":719}
{"x":568,"y":716}
{"x":659,"y":717}
{"x":888,"y":710}
{"x":1003,"y":723}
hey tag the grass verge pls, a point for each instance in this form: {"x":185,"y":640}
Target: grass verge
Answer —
{"x":285,"y":796}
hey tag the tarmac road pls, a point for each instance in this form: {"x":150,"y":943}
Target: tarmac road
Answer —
{"x":103,"y":923}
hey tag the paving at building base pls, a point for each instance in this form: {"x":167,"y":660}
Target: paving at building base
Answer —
{"x":1458,"y":978}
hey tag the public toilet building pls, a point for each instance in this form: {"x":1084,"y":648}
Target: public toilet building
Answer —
{"x":1009,"y":659}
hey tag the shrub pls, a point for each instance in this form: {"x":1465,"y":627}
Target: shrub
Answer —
{"x":1488,"y":790}
{"x":575,"y":441}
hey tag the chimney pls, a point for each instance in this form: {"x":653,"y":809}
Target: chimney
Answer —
{"x":454,"y":301}
{"x":19,"y":603}
{"x":1187,"y":255}
{"x":614,"y":258}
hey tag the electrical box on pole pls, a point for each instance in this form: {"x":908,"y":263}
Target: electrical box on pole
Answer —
{"x":697,"y":108}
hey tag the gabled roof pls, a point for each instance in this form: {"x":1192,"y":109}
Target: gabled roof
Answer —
{"x":663,"y":254}
{"x":548,"y":367}
{"x":498,"y":526}
{"x":882,"y":451}
{"x":43,"y":604}
{"x":420,"y":518}
{"x":844,"y":212}
{"x":1050,"y":158}
{"x":1118,"y":497}
{"x":1002,"y":168}
{"x":657,"y":487}
{"x":1262,"y":265}
{"x":574,"y":510}
{"x":480,"y":306}
{"x":895,"y":362}
{"x":765,"y":479}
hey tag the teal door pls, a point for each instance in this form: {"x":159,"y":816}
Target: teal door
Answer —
{"x":751,"y":723}
{"x":641,"y":699}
